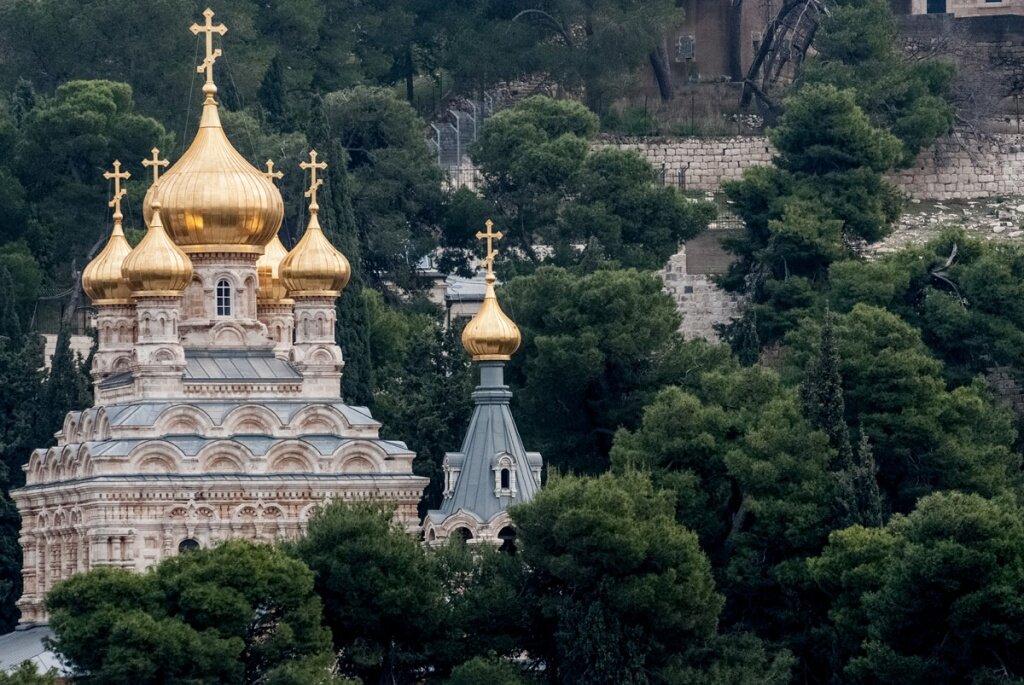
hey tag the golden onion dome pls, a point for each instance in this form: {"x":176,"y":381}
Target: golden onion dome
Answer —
{"x":268,"y":268}
{"x":213,"y":199}
{"x":157,"y":267}
{"x":314,"y":268}
{"x":491,"y":335}
{"x":102,"y":278}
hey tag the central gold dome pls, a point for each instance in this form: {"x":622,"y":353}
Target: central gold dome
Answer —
{"x":213,"y":199}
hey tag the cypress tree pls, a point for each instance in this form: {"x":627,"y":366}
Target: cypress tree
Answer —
{"x":10,"y":326}
{"x":857,"y":495}
{"x":66,"y":388}
{"x":352,"y":327}
{"x":821,"y":395}
{"x":273,"y":95}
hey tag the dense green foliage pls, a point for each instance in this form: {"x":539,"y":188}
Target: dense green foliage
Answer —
{"x":548,"y":186}
{"x":237,"y":613}
{"x":860,"y":107}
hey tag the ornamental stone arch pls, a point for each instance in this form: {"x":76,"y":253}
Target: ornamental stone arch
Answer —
{"x":457,"y":521}
{"x":102,"y":425}
{"x":70,"y":428}
{"x":292,"y":456}
{"x":224,"y":456}
{"x":33,"y":471}
{"x":184,"y":419}
{"x":359,"y":456}
{"x":156,"y":457}
{"x":227,"y":334}
{"x":251,"y":419}
{"x":320,"y":419}
{"x":86,"y":426}
{"x":121,"y":364}
{"x":309,"y":511}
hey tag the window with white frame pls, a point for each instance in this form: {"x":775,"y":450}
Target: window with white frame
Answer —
{"x":223,"y":297}
{"x":505,"y":476}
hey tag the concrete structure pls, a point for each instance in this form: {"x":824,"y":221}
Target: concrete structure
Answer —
{"x":218,"y":411}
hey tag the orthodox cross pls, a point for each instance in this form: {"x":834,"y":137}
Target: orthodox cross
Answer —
{"x":211,"y":55}
{"x":270,"y":173}
{"x":156,"y":163}
{"x":314,"y":182}
{"x":490,"y":236}
{"x":119,"y":192}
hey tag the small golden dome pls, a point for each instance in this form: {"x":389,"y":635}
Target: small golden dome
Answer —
{"x":213,"y":199}
{"x":102,"y":279}
{"x":157,"y":267}
{"x":314,"y":268}
{"x":268,"y":268}
{"x":491,"y":335}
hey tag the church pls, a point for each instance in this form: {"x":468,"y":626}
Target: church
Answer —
{"x":217,"y":382}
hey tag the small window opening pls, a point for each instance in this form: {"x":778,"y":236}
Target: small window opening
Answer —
{"x":506,"y":479}
{"x":188,"y":545}
{"x":507,"y":535}
{"x":223,"y":298}
{"x":465,"y":533}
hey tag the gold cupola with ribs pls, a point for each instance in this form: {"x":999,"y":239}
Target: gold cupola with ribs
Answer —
{"x":491,"y":335}
{"x":102,"y":279}
{"x":157,"y":267}
{"x":213,"y":199}
{"x":314,"y":267}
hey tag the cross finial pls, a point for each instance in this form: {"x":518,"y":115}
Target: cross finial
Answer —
{"x":314,"y":182}
{"x":119,"y":192}
{"x":211,"y":55}
{"x":156,"y":163}
{"x":490,"y":236}
{"x":270,"y":173}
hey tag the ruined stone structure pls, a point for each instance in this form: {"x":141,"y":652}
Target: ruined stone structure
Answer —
{"x":689,"y":279}
{"x":217,"y":411}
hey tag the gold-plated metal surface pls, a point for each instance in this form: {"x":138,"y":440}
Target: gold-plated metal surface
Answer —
{"x":268,"y":266}
{"x":157,"y":267}
{"x":271,"y":174}
{"x":491,"y":335}
{"x":211,"y":55}
{"x":156,"y":163}
{"x":102,"y":278}
{"x":314,"y":182}
{"x":314,"y":268}
{"x":213,"y":199}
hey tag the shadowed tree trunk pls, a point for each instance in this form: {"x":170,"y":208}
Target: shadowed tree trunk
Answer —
{"x":662,"y":72}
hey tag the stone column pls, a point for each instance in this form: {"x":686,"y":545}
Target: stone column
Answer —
{"x":115,"y":333}
{"x":159,"y":358}
{"x":315,"y":352}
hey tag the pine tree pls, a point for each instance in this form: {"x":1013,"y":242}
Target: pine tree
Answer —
{"x":821,"y":395}
{"x":857,"y":495}
{"x":273,"y":95}
{"x":352,"y":321}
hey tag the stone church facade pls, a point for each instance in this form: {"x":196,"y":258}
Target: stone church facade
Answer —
{"x":218,"y":411}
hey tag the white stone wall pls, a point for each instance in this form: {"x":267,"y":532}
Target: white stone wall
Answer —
{"x":960,"y":167}
{"x":699,"y":163}
{"x":702,"y":303}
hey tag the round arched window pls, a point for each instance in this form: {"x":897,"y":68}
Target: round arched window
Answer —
{"x":188,"y":545}
{"x":223,"y":297}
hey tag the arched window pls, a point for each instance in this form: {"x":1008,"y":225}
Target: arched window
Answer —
{"x":504,"y":476}
{"x":507,"y":535}
{"x":188,"y":545}
{"x":223,"y":298}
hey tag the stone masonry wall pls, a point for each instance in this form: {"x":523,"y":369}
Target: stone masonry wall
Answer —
{"x":959,"y":167}
{"x":702,"y":303}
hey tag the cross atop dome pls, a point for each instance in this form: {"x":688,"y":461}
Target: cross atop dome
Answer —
{"x":119,"y":192}
{"x":211,"y":54}
{"x":314,"y":182}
